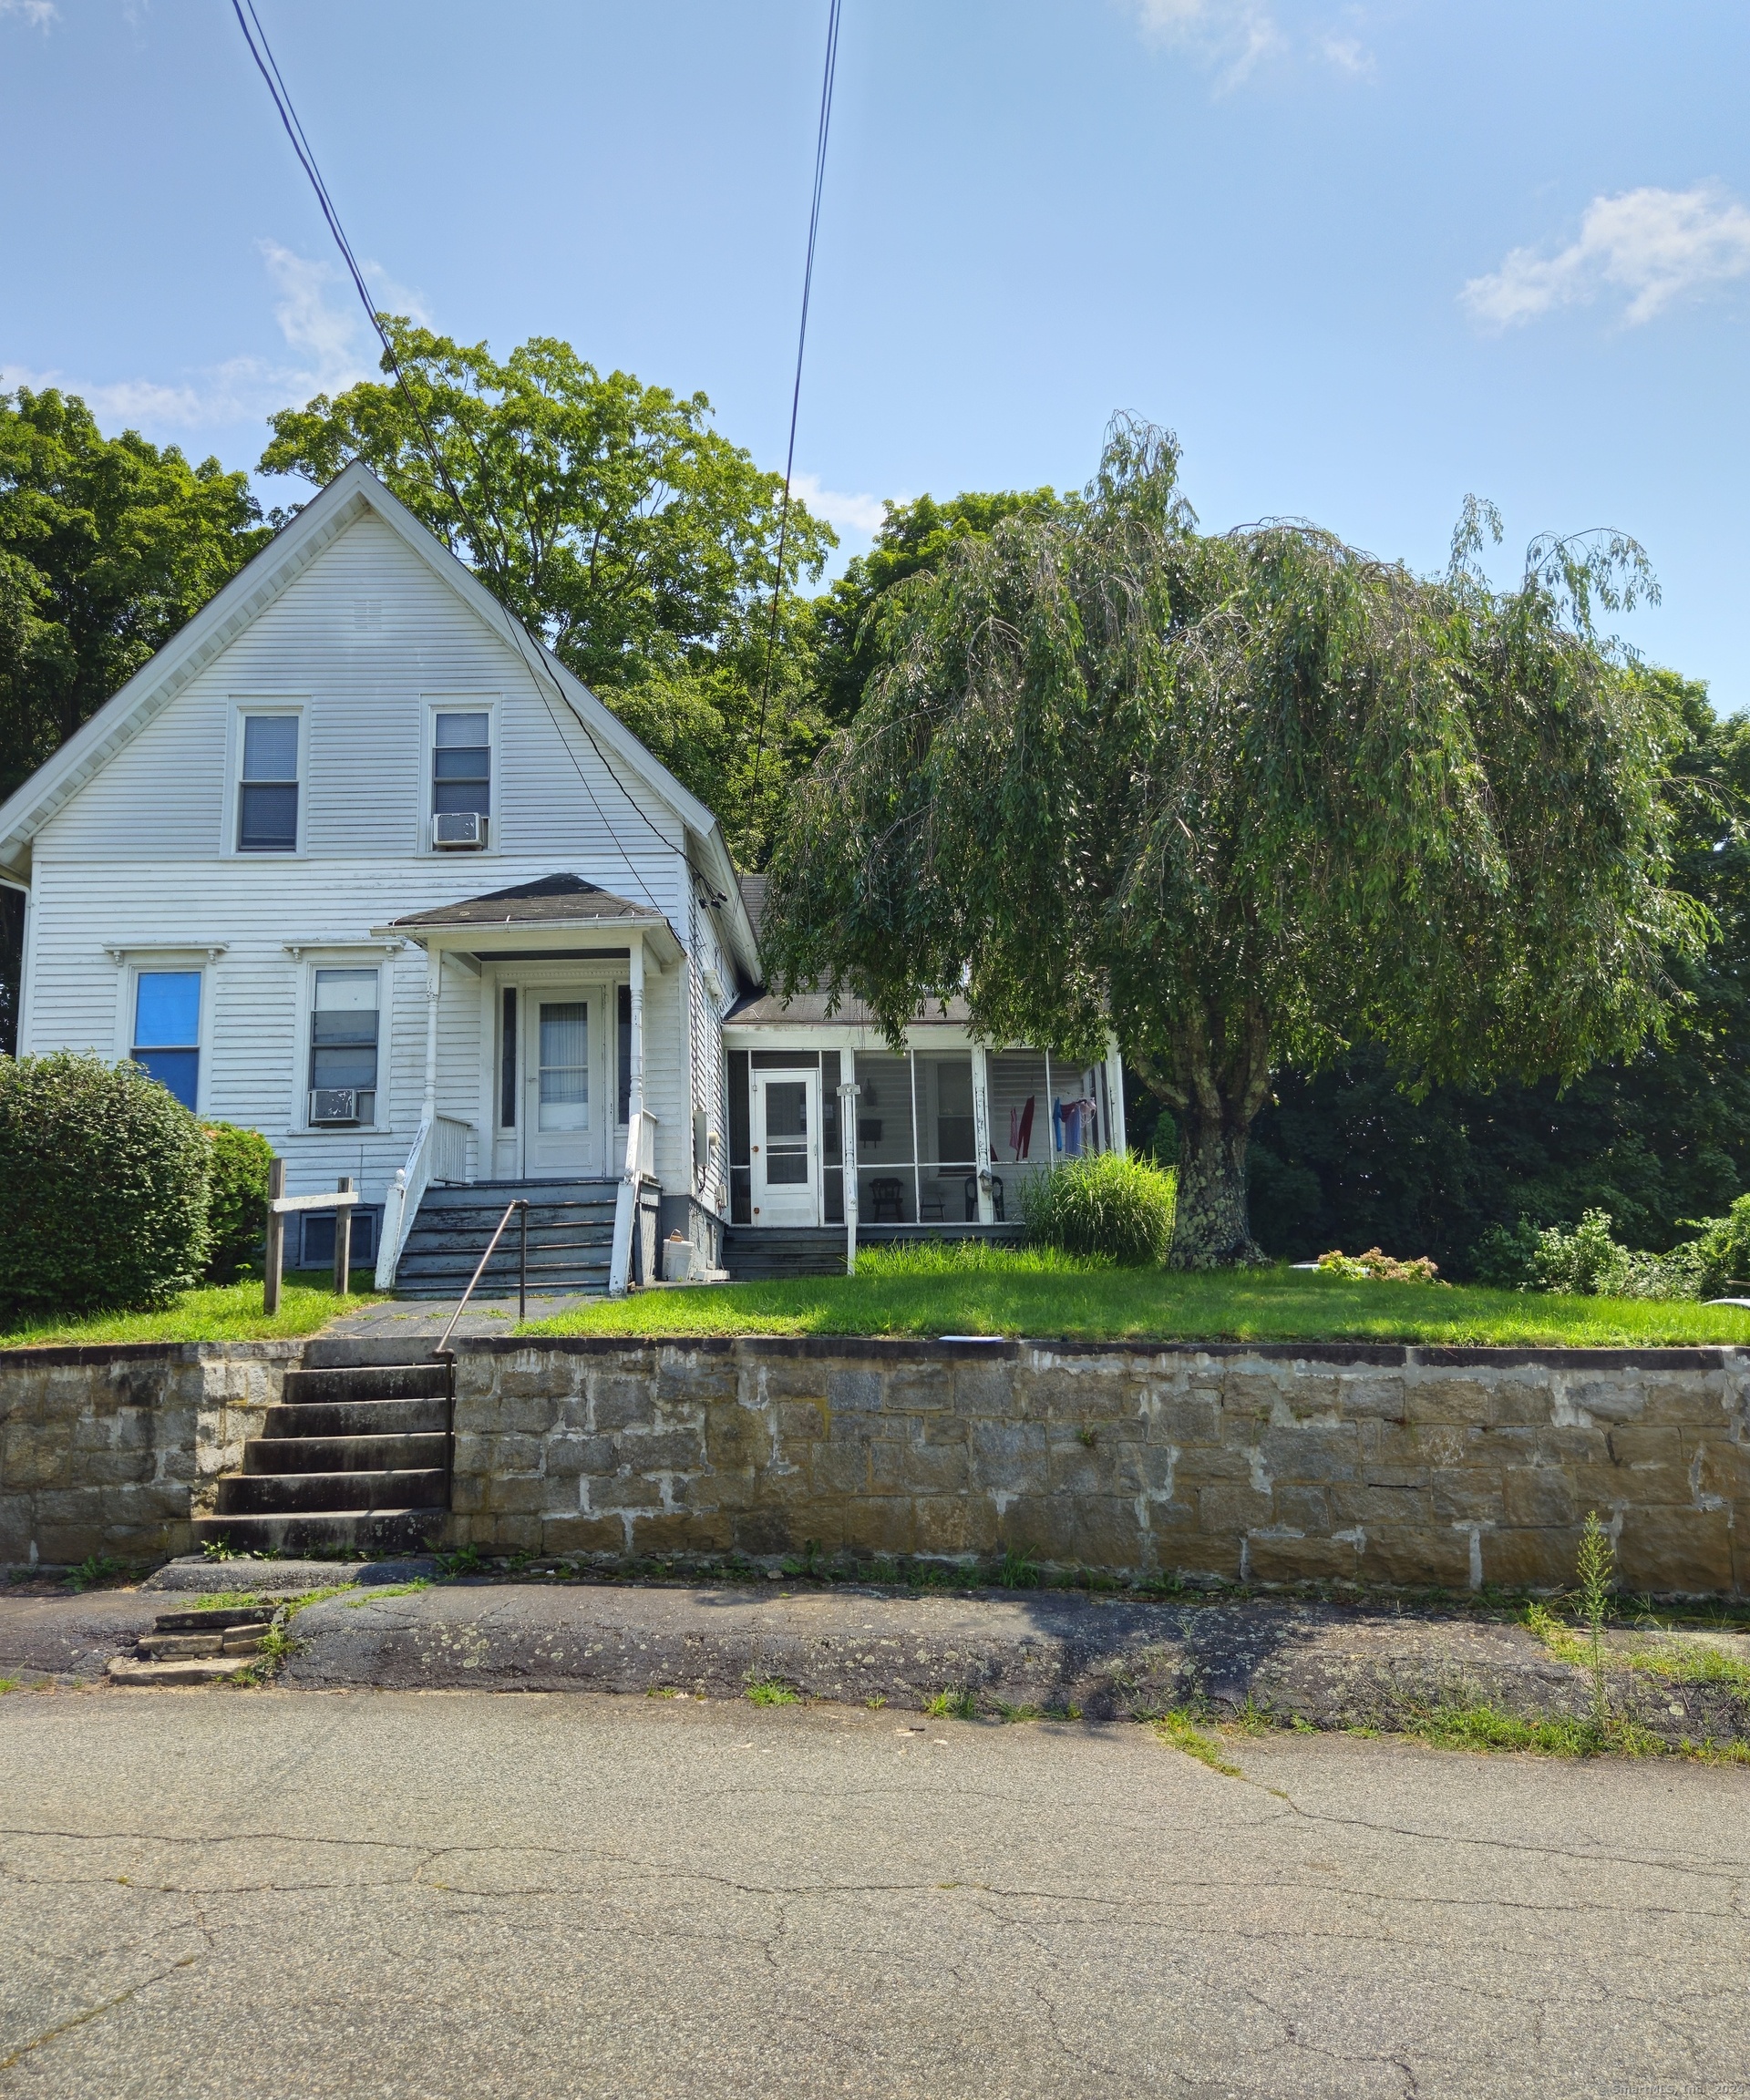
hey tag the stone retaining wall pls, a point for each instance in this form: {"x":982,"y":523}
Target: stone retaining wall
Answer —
{"x":1377,"y":1465}
{"x":112,"y":1451}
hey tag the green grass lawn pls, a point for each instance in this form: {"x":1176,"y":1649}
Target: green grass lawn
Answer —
{"x":218,"y":1312}
{"x":983,"y":1291}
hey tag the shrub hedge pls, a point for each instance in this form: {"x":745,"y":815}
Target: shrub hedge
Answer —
{"x":103,"y":1188}
{"x":236,"y":1198}
{"x":1106,"y":1203}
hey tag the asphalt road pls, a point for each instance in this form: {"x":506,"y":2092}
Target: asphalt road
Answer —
{"x":419,"y":1896}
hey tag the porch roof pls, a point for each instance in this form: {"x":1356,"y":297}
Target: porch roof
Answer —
{"x":552,"y":912}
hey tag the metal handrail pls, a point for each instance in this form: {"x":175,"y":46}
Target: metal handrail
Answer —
{"x":521,"y":1203}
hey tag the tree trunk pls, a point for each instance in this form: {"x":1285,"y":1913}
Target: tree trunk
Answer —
{"x":1210,"y":1228}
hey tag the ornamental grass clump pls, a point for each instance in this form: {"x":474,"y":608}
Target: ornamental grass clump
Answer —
{"x":103,"y":1189}
{"x":1109,"y":1204}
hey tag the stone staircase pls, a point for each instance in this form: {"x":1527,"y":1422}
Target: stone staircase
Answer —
{"x":570,"y":1239}
{"x":356,"y":1458}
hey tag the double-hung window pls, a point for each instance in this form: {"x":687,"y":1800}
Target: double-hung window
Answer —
{"x":267,"y":791}
{"x":167,"y":1030}
{"x":461,"y":775}
{"x":343,"y":1047}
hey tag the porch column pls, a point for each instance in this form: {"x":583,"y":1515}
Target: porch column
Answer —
{"x":635,"y":1092}
{"x":981,"y":1133}
{"x":1115,"y":1136}
{"x":434,"y":988}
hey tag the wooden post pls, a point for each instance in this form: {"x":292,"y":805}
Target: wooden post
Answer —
{"x":275,"y":1239}
{"x":343,"y":1241}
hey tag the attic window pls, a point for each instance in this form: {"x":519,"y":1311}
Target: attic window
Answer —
{"x":267,"y":795}
{"x":461,"y":765}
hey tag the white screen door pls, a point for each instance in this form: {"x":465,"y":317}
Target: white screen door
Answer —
{"x":786,"y":1148}
{"x":562,"y":1116}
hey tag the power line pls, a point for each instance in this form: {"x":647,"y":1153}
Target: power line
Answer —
{"x":821,"y":131}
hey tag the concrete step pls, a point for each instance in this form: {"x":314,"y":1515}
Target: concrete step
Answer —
{"x":172,"y":1647}
{"x":356,"y":1382}
{"x":219,"y":1618}
{"x":334,"y":1531}
{"x":293,"y":1493}
{"x":390,"y":1454}
{"x":333,"y":1418}
{"x":145,"y":1675}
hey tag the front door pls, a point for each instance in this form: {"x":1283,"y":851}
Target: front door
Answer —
{"x":563,"y":1104}
{"x":785,"y":1147}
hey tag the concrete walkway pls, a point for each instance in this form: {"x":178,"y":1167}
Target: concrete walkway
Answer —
{"x":262,"y":1896}
{"x":413,"y":1319}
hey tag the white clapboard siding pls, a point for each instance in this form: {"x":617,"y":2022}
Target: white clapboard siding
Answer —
{"x":363,"y":637}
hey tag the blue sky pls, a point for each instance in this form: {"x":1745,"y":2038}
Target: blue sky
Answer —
{"x":1363,"y":258}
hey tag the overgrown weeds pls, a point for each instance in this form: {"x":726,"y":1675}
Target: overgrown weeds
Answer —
{"x":957,"y":1703}
{"x":1178,"y":1726}
{"x":769,"y":1692}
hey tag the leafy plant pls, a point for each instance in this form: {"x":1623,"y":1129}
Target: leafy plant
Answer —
{"x":103,"y":1188}
{"x":769,"y":1692}
{"x":236,"y":1168}
{"x":957,"y":1704}
{"x":1596,"y":1572}
{"x":218,"y":1550}
{"x":1015,"y":1571}
{"x":1107,"y":1205}
{"x":1180,"y":1728}
{"x":1586,"y":1262}
{"x":1375,"y":1267}
{"x":94,"y":1571}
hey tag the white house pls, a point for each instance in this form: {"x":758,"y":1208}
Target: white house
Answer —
{"x":356,"y":862}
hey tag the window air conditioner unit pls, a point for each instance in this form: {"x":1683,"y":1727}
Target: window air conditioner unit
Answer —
{"x":342,"y":1104}
{"x":462,"y":831}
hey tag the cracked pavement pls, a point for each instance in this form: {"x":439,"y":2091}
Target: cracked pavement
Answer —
{"x":412,"y":1895}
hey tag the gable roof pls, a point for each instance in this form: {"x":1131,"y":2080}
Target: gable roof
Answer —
{"x":348,"y":497}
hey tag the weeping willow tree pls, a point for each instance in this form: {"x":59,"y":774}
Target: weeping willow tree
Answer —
{"x":1245,"y":798}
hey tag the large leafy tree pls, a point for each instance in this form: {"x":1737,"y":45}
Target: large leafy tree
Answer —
{"x":1246,"y":798}
{"x":617,"y":523}
{"x":1347,"y":1157}
{"x":107,"y":546}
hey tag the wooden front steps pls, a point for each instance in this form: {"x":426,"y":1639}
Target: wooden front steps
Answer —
{"x":570,"y":1239}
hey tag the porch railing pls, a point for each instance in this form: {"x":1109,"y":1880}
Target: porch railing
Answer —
{"x":439,"y":1154}
{"x":640,"y":1167}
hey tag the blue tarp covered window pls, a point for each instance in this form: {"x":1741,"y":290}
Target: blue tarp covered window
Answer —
{"x":167,"y":1029}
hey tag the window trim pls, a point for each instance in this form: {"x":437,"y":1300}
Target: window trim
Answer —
{"x":342,"y":955}
{"x":432,"y":705}
{"x":150,"y":961}
{"x":242,"y":704}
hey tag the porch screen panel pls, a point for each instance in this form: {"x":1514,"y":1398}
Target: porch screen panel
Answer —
{"x":832,"y":1158}
{"x":947,"y":1168}
{"x":741,"y":1199}
{"x":886,"y":1149}
{"x":508,"y":1060}
{"x":565,"y":1088}
{"x":1020,"y":1123}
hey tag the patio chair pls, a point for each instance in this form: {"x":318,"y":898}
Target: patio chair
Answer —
{"x":997,"y":1198}
{"x":886,"y":1200}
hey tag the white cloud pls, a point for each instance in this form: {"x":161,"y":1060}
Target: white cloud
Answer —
{"x":854,"y":514}
{"x":1238,"y":36}
{"x":323,"y":326}
{"x":39,"y":14}
{"x":1652,"y":245}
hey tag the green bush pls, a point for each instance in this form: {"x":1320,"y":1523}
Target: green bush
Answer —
{"x":236,"y":1198}
{"x":103,"y":1189}
{"x":1586,"y":1262}
{"x":1106,"y":1203}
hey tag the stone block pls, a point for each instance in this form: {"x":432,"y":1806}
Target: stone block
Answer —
{"x":466,"y":1493}
{"x":617,"y":1401}
{"x":783,"y":1377}
{"x":33,"y":1456}
{"x":567,"y":1457}
{"x":1687,"y":1549}
{"x":1077,"y":1468}
{"x":1468,"y":1495}
{"x":1539,"y":1495}
{"x":954,"y":1524}
{"x":735,"y":1436}
{"x":666,"y":1531}
{"x":1196,"y":1419}
{"x":500,"y":1533}
{"x":1530,"y":1557}
{"x":519,"y":1495}
{"x":1437,"y":1399}
{"x":1618,"y":1398}
{"x":621,"y":1491}
{"x":1308,"y":1396}
{"x":1281,"y":1557}
{"x":526,"y":1413}
{"x":1010,"y":1457}
{"x":1313,"y":1453}
{"x":661,"y":1450}
{"x":544,"y":1380}
{"x":1635,"y":1445}
{"x":1370,"y":1503}
{"x":574,"y":1533}
{"x":1524,"y":1403}
{"x":116,"y":1468}
{"x":879,"y":1524}
{"x":1227,"y":1510}
{"x":857,"y":1392}
{"x":800,"y":1418}
{"x":1369,"y":1394}
{"x":1304,"y":1509}
{"x":1251,"y":1393}
{"x":691,"y":1376}
{"x":986,"y":1389}
{"x":1412,"y":1556}
{"x":1420,"y":1444}
{"x":920,"y":1388}
{"x":844,"y":1468}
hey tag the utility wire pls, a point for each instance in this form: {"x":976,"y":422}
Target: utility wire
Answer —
{"x":261,"y":51}
{"x":821,"y":131}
